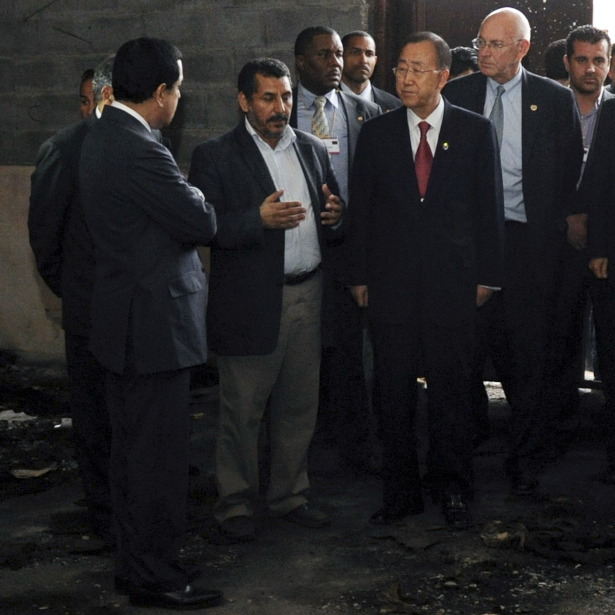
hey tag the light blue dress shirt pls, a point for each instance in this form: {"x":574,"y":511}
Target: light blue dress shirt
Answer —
{"x":338,"y":128}
{"x":511,"y":152}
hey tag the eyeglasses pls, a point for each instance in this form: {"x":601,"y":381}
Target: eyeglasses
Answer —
{"x":401,"y":71}
{"x":480,"y":43}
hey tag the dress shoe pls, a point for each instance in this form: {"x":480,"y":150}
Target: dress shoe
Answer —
{"x":234,"y":530}
{"x":190,"y":597}
{"x":307,"y":516}
{"x":388,"y":515}
{"x":456,"y":512}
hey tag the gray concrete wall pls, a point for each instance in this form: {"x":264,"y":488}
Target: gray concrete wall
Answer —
{"x":29,"y":312}
{"x":45,"y":45}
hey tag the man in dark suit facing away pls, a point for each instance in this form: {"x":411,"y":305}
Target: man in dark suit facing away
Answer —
{"x":359,"y":64}
{"x":541,"y":153}
{"x":148,"y":309}
{"x":268,"y":259}
{"x":64,"y":256}
{"x":424,"y":249}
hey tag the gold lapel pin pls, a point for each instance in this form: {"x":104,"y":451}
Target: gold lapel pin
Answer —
{"x":445,"y":146}
{"x":360,"y":118}
{"x":534,"y":107}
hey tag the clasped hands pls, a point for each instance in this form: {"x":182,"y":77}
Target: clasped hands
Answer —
{"x":277,"y":214}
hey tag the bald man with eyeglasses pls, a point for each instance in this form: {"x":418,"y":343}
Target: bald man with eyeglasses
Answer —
{"x":541,"y":153}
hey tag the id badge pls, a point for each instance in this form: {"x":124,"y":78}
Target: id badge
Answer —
{"x":332,"y":144}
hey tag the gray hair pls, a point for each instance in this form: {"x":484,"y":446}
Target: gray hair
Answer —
{"x":102,"y":77}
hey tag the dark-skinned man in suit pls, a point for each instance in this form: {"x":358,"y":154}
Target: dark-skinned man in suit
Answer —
{"x":264,"y":315}
{"x":343,"y":417}
{"x":359,"y":64}
{"x":541,"y":153}
{"x":424,"y":249}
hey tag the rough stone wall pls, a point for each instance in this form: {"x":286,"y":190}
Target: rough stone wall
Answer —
{"x":45,"y":45}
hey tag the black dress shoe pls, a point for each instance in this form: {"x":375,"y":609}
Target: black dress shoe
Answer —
{"x":388,"y":515}
{"x":190,"y":597}
{"x":456,"y":512}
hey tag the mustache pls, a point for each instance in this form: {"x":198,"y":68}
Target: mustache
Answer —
{"x":279,"y":117}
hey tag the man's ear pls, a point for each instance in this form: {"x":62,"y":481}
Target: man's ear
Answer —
{"x":300,"y":62}
{"x":243,"y":102}
{"x":159,"y":94}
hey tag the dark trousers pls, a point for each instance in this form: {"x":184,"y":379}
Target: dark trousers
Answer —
{"x":91,"y":430}
{"x":343,"y":413}
{"x":149,"y":474}
{"x":576,"y":285}
{"x":513,"y":330}
{"x":402,"y":353}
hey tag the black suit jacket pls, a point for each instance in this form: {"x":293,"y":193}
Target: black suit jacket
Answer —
{"x":387,"y":102}
{"x":247,"y":261}
{"x":59,"y":237}
{"x":426,"y":257}
{"x":552,"y":154}
{"x":145,"y":219}
{"x":597,"y":189}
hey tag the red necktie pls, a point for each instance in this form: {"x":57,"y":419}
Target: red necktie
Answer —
{"x":423,"y":159}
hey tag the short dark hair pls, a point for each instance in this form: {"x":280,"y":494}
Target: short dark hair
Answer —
{"x":267,"y":67}
{"x":85,"y":76}
{"x":586,"y":34}
{"x":305,"y":37}
{"x":141,"y":65}
{"x":464,"y":58}
{"x":443,"y":51}
{"x":355,"y":33}
{"x":554,"y":60}
{"x":102,"y":77}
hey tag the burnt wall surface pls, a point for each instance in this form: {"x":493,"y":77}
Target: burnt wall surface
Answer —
{"x":45,"y":45}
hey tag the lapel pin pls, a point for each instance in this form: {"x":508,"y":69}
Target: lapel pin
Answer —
{"x":360,"y":118}
{"x":445,"y":146}
{"x":534,"y":107}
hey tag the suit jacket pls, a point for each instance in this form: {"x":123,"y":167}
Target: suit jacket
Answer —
{"x":145,"y":219}
{"x":578,"y":202}
{"x":357,"y":112}
{"x":426,"y":258}
{"x":597,"y":189}
{"x":552,"y":154}
{"x":247,"y":261}
{"x":59,"y":236}
{"x":387,"y":102}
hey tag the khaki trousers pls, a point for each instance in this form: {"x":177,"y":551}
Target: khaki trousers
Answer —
{"x":289,"y":379}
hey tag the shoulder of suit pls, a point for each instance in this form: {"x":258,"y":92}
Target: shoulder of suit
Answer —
{"x":360,"y":104}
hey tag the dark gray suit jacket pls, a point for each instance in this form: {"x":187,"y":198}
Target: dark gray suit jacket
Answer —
{"x":552,"y":155}
{"x":144,"y":219}
{"x":357,"y":112}
{"x":386,"y":101}
{"x":247,"y":262}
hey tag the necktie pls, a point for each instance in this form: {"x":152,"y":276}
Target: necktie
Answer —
{"x":423,"y":159}
{"x":497,"y":114}
{"x":320,"y":126}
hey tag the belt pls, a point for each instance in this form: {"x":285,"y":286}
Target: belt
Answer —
{"x":292,"y":279}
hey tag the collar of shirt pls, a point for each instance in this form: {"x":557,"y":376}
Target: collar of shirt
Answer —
{"x":492,"y":84}
{"x":366,"y":94}
{"x":288,"y":138}
{"x":119,"y":105}
{"x":594,"y":108}
{"x":434,"y":120}
{"x":308,"y":97}
{"x":98,"y":112}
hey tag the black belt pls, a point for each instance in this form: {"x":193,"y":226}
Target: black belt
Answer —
{"x":292,"y":279}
